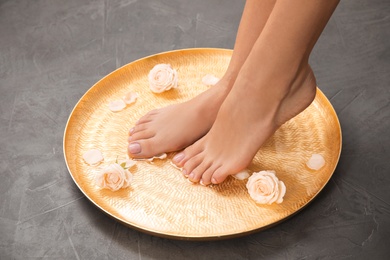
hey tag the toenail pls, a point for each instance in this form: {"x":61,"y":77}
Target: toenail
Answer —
{"x":134,"y":148}
{"x":131,"y":130}
{"x":178,"y":157}
{"x":129,"y":139}
{"x":214,"y":181}
{"x":191,"y":176}
{"x":184,"y":172}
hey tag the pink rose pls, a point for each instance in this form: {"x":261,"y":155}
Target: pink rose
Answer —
{"x":265,"y":188}
{"x":113,"y":177}
{"x":162,"y":78}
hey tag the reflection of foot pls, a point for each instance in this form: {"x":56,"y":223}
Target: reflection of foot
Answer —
{"x":175,"y":127}
{"x":249,"y":115}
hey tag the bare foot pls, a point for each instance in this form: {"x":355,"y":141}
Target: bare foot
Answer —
{"x":175,"y":127}
{"x":250,"y":114}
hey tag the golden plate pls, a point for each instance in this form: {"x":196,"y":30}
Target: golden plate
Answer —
{"x":160,"y":200}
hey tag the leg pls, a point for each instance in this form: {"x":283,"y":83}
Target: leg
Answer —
{"x":151,"y":135}
{"x":274,"y":84}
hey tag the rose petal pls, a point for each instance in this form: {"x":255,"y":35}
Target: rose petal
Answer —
{"x":117,"y":105}
{"x":93,"y":157}
{"x":130,"y":97}
{"x":159,"y":156}
{"x":242,"y":175}
{"x":128,"y":179}
{"x":282,"y":192}
{"x":316,"y":162}
{"x":128,"y":163}
{"x":210,"y":80}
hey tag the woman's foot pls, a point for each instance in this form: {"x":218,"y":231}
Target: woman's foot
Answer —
{"x":175,"y":127}
{"x":250,"y":114}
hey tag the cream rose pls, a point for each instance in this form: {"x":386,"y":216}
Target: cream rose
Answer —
{"x":265,"y":188}
{"x":113,"y":177}
{"x":162,"y":78}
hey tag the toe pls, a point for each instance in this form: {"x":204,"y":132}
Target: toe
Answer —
{"x":197,"y":173}
{"x":134,"y":148}
{"x":188,"y":153}
{"x":147,"y":118}
{"x":219,"y":175}
{"x":139,"y":128}
{"x":189,"y":167}
{"x":144,"y":134}
{"x":143,"y":148}
{"x":206,"y":177}
{"x":178,"y":158}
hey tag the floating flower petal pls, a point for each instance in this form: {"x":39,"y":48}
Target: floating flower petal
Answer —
{"x":93,"y":157}
{"x":117,"y":105}
{"x":210,"y":80}
{"x":316,"y":162}
{"x":242,"y":175}
{"x":159,"y":156}
{"x":128,"y":163}
{"x":130,"y":97}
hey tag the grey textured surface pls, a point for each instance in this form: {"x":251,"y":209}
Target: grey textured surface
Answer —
{"x":51,"y":52}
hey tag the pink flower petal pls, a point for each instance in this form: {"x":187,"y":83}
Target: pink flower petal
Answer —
{"x":117,"y":105}
{"x":159,"y":156}
{"x":316,"y":162}
{"x":130,"y":97}
{"x":128,"y":163}
{"x":210,"y":80}
{"x":93,"y":157}
{"x":242,"y":175}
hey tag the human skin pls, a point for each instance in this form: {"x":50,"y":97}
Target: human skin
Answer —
{"x":274,"y":84}
{"x":153,"y":134}
{"x":268,"y":82}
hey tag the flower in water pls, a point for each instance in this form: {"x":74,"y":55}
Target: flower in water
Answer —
{"x":113,"y":177}
{"x":265,"y":188}
{"x":162,"y":78}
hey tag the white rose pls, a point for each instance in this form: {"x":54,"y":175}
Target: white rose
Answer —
{"x":113,"y":177}
{"x":162,"y":78}
{"x":265,"y":188}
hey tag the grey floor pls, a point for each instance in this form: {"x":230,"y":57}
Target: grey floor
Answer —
{"x":52,"y":52}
